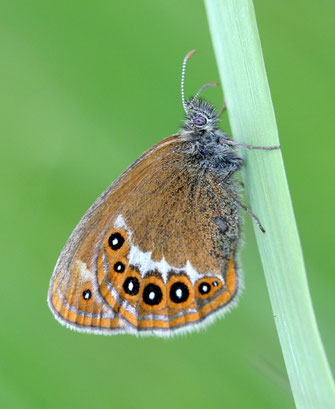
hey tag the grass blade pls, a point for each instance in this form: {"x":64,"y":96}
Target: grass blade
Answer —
{"x":239,"y":56}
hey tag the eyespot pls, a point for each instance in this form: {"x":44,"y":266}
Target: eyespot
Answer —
{"x":199,"y":120}
{"x":205,"y":288}
{"x":131,"y":285}
{"x":152,"y":294}
{"x":115,"y":241}
{"x":119,"y":267}
{"x":87,"y":294}
{"x":179,"y":292}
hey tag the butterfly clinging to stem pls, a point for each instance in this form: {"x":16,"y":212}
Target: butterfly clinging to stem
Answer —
{"x":156,"y":252}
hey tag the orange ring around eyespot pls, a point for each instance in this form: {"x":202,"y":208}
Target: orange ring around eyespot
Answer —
{"x":121,"y":252}
{"x":187,"y":304}
{"x":212,"y":289}
{"x":159,"y":308}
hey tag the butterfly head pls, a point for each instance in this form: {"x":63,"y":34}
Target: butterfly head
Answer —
{"x":201,"y":117}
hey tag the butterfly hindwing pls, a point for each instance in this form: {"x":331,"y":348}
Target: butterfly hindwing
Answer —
{"x":157,"y":251}
{"x":76,"y":302}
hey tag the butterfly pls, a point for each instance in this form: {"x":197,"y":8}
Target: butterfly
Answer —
{"x":156,"y":252}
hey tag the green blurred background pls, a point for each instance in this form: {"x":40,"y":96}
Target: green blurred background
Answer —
{"x":86,"y":87}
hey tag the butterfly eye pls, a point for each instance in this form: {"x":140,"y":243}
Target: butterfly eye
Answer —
{"x":199,"y":120}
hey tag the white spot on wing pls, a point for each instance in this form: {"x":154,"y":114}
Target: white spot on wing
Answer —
{"x":179,"y":293}
{"x":85,"y":273}
{"x":120,"y":223}
{"x":152,"y":295}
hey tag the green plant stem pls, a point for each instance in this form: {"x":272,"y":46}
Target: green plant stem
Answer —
{"x":239,"y":56}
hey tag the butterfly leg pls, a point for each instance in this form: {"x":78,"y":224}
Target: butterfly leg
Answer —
{"x":242,"y":145}
{"x":250,"y":213}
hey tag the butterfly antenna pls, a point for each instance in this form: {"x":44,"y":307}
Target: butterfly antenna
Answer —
{"x":224,"y":107}
{"x":210,"y":84}
{"x":188,"y":55}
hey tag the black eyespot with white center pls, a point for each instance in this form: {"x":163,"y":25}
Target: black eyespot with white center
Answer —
{"x":119,"y":267}
{"x":204,"y":288}
{"x":115,"y":241}
{"x":152,"y":294}
{"x":215,"y":283}
{"x":87,"y":294}
{"x":131,"y":285}
{"x":199,"y":120}
{"x":179,"y":292}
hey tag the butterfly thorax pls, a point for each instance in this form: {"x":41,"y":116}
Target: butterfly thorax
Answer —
{"x":205,"y":143}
